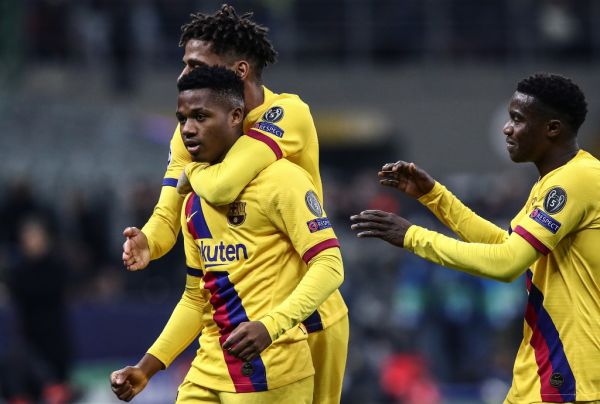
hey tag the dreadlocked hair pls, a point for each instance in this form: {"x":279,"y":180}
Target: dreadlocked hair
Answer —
{"x":559,"y":93}
{"x":231,"y":35}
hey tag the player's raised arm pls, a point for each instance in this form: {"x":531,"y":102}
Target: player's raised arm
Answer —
{"x":292,"y":133}
{"x":417,"y":183}
{"x":221,"y":183}
{"x":503,"y":262}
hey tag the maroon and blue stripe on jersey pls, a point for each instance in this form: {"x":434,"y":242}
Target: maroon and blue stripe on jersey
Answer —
{"x":556,"y":377}
{"x":195,"y":220}
{"x":228,"y":309}
{"x":229,"y":313}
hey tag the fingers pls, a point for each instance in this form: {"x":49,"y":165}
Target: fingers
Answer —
{"x":397,"y":166}
{"x":390,"y":183}
{"x":121,"y":386}
{"x":370,"y":233}
{"x":131,"y":231}
{"x":248,"y":353}
{"x":370,"y":214}
{"x":234,"y":338}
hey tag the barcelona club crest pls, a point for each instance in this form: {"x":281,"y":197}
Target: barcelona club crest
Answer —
{"x":237,"y":213}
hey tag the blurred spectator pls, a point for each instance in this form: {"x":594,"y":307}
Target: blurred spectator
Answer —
{"x":564,"y":28}
{"x":37,"y":368}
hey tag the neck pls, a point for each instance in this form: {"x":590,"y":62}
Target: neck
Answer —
{"x":557,"y":157}
{"x":253,"y":95}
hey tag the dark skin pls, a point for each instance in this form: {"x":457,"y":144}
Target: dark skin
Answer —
{"x":533,"y":134}
{"x":126,"y":383}
{"x":407,"y":178}
{"x":208,"y":128}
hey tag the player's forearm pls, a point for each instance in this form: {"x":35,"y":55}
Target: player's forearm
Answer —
{"x":183,"y":327}
{"x":163,"y":226}
{"x":220,"y":184}
{"x":503,"y":262}
{"x":325,"y":274}
{"x":150,"y":365}
{"x":460,"y":219}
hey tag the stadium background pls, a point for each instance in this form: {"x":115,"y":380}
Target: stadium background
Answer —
{"x":87,"y":106}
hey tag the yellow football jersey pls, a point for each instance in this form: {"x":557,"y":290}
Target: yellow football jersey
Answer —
{"x":284,"y":124}
{"x":253,"y":253}
{"x":559,"y":357}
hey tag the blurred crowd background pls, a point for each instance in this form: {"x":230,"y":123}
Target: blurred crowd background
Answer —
{"x":87,"y":101}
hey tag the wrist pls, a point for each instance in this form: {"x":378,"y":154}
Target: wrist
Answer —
{"x":150,"y":365}
{"x":269,"y":323}
{"x":428,"y":196}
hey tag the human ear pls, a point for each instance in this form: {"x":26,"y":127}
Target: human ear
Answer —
{"x":242,"y":69}
{"x":237,"y":116}
{"x":554,"y":128}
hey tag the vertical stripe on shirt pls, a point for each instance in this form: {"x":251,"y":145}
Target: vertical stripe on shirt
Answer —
{"x":549,"y":351}
{"x":195,"y":220}
{"x":229,"y":313}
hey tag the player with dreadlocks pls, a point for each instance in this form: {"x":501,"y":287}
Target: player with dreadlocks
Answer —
{"x":276,"y":126}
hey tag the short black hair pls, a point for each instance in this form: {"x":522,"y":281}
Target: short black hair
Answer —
{"x":224,"y":82}
{"x":559,"y":93}
{"x":232,"y":35}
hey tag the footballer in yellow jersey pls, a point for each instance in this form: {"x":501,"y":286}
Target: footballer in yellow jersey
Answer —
{"x":276,"y":126}
{"x":554,"y":239}
{"x":254,"y":252}
{"x":265,"y":261}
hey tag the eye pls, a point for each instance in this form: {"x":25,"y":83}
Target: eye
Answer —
{"x":199,"y":117}
{"x":181,"y":119}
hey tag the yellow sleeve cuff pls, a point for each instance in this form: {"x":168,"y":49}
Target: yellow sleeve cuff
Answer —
{"x":437,"y":190}
{"x":271,"y":326}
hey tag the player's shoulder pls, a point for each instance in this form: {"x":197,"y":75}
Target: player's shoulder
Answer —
{"x":582,"y":171}
{"x":284,"y":172}
{"x":285,"y":101}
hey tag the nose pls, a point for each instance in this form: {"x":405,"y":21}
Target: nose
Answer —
{"x":507,"y":129}
{"x":185,"y":71}
{"x":187,"y":129}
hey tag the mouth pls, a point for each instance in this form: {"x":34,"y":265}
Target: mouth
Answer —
{"x":192,"y":147}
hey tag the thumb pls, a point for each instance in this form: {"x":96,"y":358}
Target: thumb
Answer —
{"x":117,"y":377}
{"x":130,"y":231}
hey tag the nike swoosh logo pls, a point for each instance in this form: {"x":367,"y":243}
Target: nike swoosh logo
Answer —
{"x":187,"y":219}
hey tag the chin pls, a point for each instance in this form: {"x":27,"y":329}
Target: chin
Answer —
{"x":199,"y":158}
{"x":517,"y":159}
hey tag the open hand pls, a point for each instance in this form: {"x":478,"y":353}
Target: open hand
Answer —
{"x":406,"y":177}
{"x":136,"y":252}
{"x":384,"y":225}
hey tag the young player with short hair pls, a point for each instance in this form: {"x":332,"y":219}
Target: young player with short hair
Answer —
{"x":266,"y":260}
{"x":554,"y":240}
